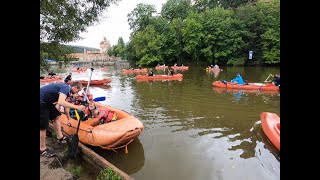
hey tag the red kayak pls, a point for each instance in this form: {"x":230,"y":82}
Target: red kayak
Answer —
{"x":249,"y":86}
{"x":271,"y":127}
{"x":159,"y":77}
{"x":135,"y":70}
{"x":180,"y":67}
{"x":94,"y":82}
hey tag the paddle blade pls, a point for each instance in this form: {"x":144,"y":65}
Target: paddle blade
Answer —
{"x":73,"y":146}
{"x":77,"y":115}
{"x":99,"y":98}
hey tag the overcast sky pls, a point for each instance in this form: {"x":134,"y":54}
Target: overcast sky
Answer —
{"x":115,"y":25}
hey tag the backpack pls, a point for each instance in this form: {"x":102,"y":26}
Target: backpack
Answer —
{"x":108,"y":117}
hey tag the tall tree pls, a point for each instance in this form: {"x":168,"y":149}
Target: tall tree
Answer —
{"x":63,"y":20}
{"x":176,"y":9}
{"x":140,"y":16}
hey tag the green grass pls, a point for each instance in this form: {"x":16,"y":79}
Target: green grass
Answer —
{"x":75,"y":170}
{"x":108,"y":174}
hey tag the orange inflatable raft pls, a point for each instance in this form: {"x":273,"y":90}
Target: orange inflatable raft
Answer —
{"x":250,"y":86}
{"x":161,"y":67}
{"x":180,"y":67}
{"x":112,"y":135}
{"x":80,"y":70}
{"x":93,"y":82}
{"x":215,"y":70}
{"x":135,"y":70}
{"x":271,"y":127}
{"x":159,"y":77}
{"x":49,"y":79}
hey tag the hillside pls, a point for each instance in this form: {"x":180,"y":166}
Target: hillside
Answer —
{"x":80,"y":49}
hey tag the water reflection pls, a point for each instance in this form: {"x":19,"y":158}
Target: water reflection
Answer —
{"x":129,"y":163}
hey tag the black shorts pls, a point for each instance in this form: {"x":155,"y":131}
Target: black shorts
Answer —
{"x":47,"y":112}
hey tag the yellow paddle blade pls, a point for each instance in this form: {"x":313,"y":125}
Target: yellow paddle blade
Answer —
{"x":77,"y":115}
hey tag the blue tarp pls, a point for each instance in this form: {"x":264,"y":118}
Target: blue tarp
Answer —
{"x":50,"y":60}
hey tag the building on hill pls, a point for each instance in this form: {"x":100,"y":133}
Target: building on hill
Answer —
{"x":93,"y":56}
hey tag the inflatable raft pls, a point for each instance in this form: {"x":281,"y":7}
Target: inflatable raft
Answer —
{"x":80,"y":70}
{"x":112,"y":135}
{"x":271,"y":127}
{"x":215,"y":70}
{"x":135,"y":70}
{"x":180,"y":67}
{"x":250,"y":86}
{"x":49,"y":79}
{"x":161,"y":67}
{"x":93,"y":82}
{"x":159,"y":77}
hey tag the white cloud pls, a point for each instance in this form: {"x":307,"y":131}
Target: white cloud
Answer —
{"x":115,"y":25}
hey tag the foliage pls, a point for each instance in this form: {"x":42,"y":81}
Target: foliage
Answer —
{"x":63,"y":20}
{"x":139,"y":17}
{"x":178,"y":9}
{"x":77,"y":170}
{"x":108,"y":174}
{"x":221,"y":32}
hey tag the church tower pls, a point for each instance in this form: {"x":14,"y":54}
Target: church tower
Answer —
{"x":104,"y":45}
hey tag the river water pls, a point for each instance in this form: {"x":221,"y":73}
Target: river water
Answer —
{"x":192,"y":130}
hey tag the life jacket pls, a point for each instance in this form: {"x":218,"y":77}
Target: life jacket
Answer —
{"x":107,"y":116}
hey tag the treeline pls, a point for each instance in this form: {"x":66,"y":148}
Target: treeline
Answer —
{"x":203,"y":32}
{"x":80,"y":49}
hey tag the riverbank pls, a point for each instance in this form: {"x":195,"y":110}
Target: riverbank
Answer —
{"x":52,"y":168}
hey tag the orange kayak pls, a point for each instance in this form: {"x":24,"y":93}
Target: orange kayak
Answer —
{"x":180,"y":67}
{"x":48,"y":79}
{"x":159,"y":77}
{"x":80,"y":70}
{"x":112,"y":135}
{"x":161,"y":67}
{"x":271,"y":127}
{"x":94,"y":82}
{"x":251,"y":91}
{"x":250,"y":86}
{"x":134,"y":70}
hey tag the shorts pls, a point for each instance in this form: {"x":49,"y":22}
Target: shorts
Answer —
{"x":47,"y":112}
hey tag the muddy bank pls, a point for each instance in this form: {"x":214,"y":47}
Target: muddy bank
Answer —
{"x":63,"y":168}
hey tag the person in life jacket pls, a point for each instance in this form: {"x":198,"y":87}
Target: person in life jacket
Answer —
{"x":103,"y":114}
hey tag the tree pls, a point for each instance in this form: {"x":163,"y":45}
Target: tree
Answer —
{"x":176,"y":9}
{"x":63,"y":20}
{"x":139,"y":17}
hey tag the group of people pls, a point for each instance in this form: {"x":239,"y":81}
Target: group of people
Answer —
{"x":170,"y":72}
{"x":58,"y":98}
{"x":239,"y":80}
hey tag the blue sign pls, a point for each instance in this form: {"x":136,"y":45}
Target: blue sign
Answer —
{"x":250,"y":54}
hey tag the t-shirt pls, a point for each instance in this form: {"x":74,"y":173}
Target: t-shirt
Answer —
{"x":50,"y":93}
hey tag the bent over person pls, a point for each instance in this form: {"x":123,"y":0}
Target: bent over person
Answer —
{"x":50,"y":95}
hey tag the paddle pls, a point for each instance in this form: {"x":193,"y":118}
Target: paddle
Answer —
{"x":265,"y":81}
{"x":74,"y":139}
{"x":102,"y":98}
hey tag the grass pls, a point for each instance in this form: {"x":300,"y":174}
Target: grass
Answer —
{"x":108,"y":174}
{"x":75,"y":170}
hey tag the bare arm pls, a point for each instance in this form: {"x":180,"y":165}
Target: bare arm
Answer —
{"x":62,"y":102}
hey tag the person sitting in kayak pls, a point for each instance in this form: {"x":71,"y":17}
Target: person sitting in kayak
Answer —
{"x":238,"y":80}
{"x":68,"y":78}
{"x":150,"y":73}
{"x":170,"y":72}
{"x":276,"y":80}
{"x":51,"y":74}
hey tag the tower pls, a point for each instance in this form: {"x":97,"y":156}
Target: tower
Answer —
{"x":104,"y":45}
